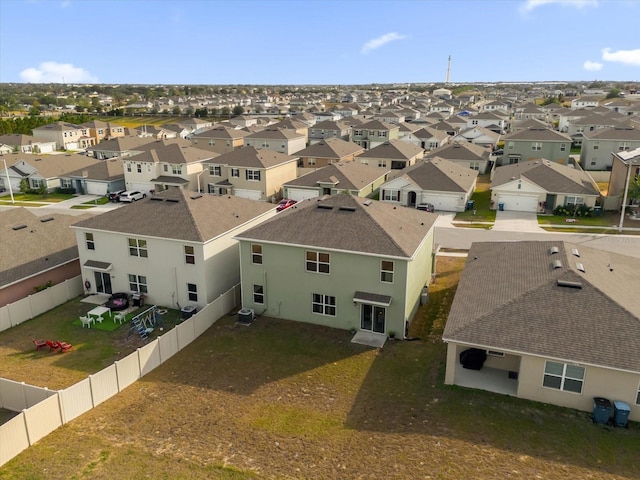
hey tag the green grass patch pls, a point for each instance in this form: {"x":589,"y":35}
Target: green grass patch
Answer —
{"x":605,"y":220}
{"x":22,"y":204}
{"x":481,"y":207}
{"x":97,"y":201}
{"x":49,"y":197}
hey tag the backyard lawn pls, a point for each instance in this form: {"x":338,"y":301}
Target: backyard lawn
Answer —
{"x":481,"y":211}
{"x":280,"y":399}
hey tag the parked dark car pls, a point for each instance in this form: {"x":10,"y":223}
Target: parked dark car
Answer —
{"x":115,"y":196}
{"x":426,"y":207}
{"x":285,"y":203}
{"x":497,"y":153}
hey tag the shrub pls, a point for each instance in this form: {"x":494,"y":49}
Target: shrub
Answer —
{"x":581,"y":211}
{"x":67,"y":191}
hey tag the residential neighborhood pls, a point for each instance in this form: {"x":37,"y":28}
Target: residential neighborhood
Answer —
{"x":339,"y":216}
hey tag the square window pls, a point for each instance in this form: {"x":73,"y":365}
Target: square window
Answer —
{"x":138,"y":248}
{"x":323,"y":304}
{"x":318,"y":262}
{"x":562,"y":376}
{"x":138,"y":283}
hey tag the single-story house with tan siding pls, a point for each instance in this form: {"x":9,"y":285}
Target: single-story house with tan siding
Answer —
{"x":541,"y":185}
{"x":555,"y":322}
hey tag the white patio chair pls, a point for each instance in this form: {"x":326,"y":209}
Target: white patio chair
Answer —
{"x":86,"y":321}
{"x":119,"y":317}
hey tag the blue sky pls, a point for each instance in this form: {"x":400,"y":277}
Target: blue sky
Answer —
{"x":317,"y":42}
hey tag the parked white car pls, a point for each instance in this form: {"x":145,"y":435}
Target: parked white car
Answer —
{"x":132,"y":196}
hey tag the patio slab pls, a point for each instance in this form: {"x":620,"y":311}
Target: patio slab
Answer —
{"x":368,"y":338}
{"x":96,"y":299}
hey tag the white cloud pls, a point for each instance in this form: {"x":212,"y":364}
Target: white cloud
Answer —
{"x":628,"y":57}
{"x":54,"y":72}
{"x":380,"y":41}
{"x":592,"y":66}
{"x":530,"y":5}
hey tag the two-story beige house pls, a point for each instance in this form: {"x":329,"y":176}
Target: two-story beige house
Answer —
{"x":278,"y":140}
{"x":219,"y":139}
{"x":249,"y":173}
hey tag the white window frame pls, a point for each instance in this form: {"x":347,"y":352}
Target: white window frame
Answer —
{"x":387,"y":268}
{"x":258,"y":294}
{"x":564,"y":377}
{"x":215,"y":170}
{"x":189,"y":254}
{"x":252,"y":175}
{"x":318,"y":262}
{"x":91,"y":244}
{"x":138,"y":283}
{"x":176,"y":169}
{"x":192,"y":292}
{"x":537,"y":146}
{"x":391,"y":195}
{"x":235,"y":172}
{"x":138,"y":248}
{"x":323,"y":305}
{"x":256,"y":253}
{"x":576,"y":201}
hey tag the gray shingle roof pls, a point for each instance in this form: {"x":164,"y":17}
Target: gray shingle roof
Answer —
{"x":350,"y":175}
{"x":441,"y":175}
{"x":508,"y":299}
{"x":166,"y":151}
{"x":460,"y":151}
{"x":351,"y":224}
{"x":538,"y":134}
{"x":252,"y":157}
{"x":37,"y":247}
{"x":180,"y":215}
{"x":53,"y":166}
{"x":331,"y":148}
{"x":394,"y":150}
{"x":551,"y":176}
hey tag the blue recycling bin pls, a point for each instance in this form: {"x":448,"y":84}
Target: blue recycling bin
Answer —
{"x":621,"y":411}
{"x":501,"y":206}
{"x":601,"y":410}
{"x":597,"y":211}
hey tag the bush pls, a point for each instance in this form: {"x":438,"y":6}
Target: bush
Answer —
{"x":66,"y":191}
{"x":566,"y":211}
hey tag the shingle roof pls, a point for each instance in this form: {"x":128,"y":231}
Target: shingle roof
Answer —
{"x":538,"y":134}
{"x":441,"y":175}
{"x":52,"y":166}
{"x":107,"y":170}
{"x":165,"y":151}
{"x":460,"y":151}
{"x":378,"y":125}
{"x":331,"y":148}
{"x":394,"y":150}
{"x":39,"y":246}
{"x":58,"y":127}
{"x":252,"y":157}
{"x":222,"y":132}
{"x":347,"y":223}
{"x":276,"y":133}
{"x":508,"y":299}
{"x":350,"y":176}
{"x":615,"y":133}
{"x":551,"y":176}
{"x":330,"y":125}
{"x":121,"y":144}
{"x":179,"y":214}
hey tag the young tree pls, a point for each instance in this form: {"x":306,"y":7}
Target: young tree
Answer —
{"x":238,"y":110}
{"x":634,"y":189}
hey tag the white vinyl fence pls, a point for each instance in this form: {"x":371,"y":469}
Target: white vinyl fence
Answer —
{"x":42,"y":410}
{"x":36,"y":304}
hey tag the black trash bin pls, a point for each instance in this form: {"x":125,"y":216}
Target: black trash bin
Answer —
{"x":470,"y":204}
{"x":601,"y":410}
{"x":597,"y":211}
{"x":188,"y":311}
{"x":501,"y":206}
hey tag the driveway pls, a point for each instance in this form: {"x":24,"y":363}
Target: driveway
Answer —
{"x":508,"y":221}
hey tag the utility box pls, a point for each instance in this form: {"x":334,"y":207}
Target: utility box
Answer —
{"x":601,"y":410}
{"x":621,"y":411}
{"x":188,"y":311}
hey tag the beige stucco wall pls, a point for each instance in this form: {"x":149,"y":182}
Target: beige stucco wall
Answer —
{"x":275,"y":177}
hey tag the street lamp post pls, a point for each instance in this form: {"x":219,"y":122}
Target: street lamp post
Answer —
{"x":6,"y":171}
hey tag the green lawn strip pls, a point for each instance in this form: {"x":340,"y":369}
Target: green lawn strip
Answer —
{"x":481,"y":207}
{"x":22,"y":204}
{"x":606,"y":220}
{"x":97,"y":201}
{"x":82,"y":207}
{"x":49,"y":197}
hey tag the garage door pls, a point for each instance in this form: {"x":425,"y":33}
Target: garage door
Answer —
{"x":250,"y":194}
{"x":299,"y":194}
{"x":445,"y":203}
{"x":519,"y":203}
{"x":95,"y":188}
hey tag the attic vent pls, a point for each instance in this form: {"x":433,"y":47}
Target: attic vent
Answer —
{"x":553,"y":250}
{"x":46,"y":219}
{"x":568,"y":283}
{"x":326,"y":207}
{"x":557,"y":264}
{"x":195,"y":197}
{"x":156,"y":199}
{"x":347,"y":209}
{"x":580,"y":267}
{"x":19,"y":227}
{"x":172,"y":200}
{"x":368,"y":202}
{"x":575,"y":252}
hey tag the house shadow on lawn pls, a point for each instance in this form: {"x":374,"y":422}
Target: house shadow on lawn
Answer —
{"x":404,"y":394}
{"x":241,"y":359}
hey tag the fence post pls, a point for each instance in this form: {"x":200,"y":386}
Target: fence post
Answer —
{"x":93,"y":402}
{"x":26,"y":426}
{"x":117,"y":376}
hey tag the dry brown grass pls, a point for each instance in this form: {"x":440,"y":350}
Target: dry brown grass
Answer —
{"x":285,"y":400}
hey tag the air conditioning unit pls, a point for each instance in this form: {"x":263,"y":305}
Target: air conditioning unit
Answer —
{"x":246,"y":316}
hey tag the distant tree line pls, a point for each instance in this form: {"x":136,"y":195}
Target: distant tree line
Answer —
{"x":25,"y":125}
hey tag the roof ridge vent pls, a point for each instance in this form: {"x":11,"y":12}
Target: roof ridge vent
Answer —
{"x":46,"y":219}
{"x":553,"y":250}
{"x":569,"y":283}
{"x":325,"y":207}
{"x":347,"y":209}
{"x":580,"y":267}
{"x":172,"y":200}
{"x":19,"y":227}
{"x":575,"y":252}
{"x":557,"y":264}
